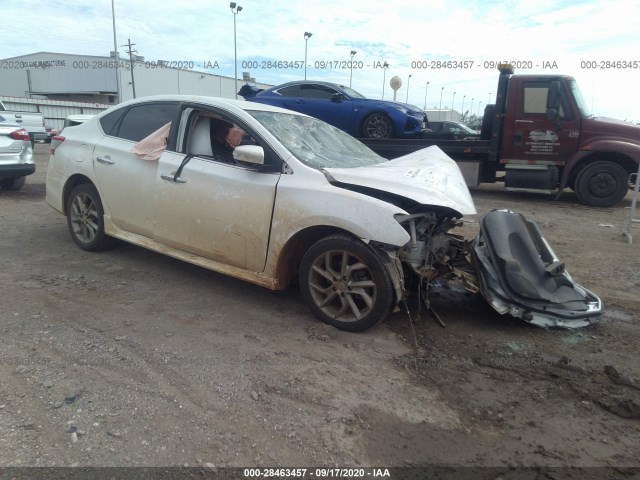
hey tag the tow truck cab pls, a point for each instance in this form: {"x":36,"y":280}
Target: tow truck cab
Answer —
{"x":543,"y":136}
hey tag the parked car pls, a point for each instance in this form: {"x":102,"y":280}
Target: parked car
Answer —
{"x":51,"y":132}
{"x":16,"y":156}
{"x":76,"y":119}
{"x":32,"y":122}
{"x":450,"y":129}
{"x":344,"y":108}
{"x":296,"y":199}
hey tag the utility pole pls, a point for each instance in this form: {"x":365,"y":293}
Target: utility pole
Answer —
{"x":131,"y":52}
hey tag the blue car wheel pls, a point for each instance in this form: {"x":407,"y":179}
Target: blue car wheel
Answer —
{"x":377,"y":125}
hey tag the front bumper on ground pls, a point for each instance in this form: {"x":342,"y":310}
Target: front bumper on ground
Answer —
{"x":519,"y":274}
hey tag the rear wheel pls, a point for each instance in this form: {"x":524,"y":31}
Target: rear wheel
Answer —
{"x":377,"y":125}
{"x":85,"y":218}
{"x":345,"y":283}
{"x":601,"y":184}
{"x":15,"y":183}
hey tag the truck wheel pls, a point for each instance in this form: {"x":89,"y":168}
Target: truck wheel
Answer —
{"x":345,"y":283}
{"x":85,"y":218}
{"x":15,"y":183}
{"x":377,"y":125}
{"x":601,"y":184}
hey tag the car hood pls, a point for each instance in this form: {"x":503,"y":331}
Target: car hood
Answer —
{"x":595,"y":126}
{"x":427,"y":176}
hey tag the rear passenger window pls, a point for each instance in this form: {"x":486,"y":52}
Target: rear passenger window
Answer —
{"x":140,"y":121}
{"x":107,"y":122}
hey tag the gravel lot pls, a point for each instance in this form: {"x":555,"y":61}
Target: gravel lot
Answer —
{"x":130,"y":358}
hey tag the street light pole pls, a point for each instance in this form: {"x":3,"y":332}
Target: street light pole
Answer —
{"x":471,"y":109}
{"x":407,"y":99}
{"x":489,"y":99}
{"x":235,"y":9}
{"x":479,"y":103}
{"x":115,"y":48}
{"x":353,"y":52}
{"x":426,"y":89}
{"x":441,"y":90}
{"x":385,"y":65}
{"x":452,"y":102}
{"x":307,"y":36}
{"x":462,"y":109}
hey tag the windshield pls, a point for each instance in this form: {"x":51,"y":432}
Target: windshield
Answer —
{"x":577,"y":95}
{"x":351,"y":92}
{"x":316,"y":143}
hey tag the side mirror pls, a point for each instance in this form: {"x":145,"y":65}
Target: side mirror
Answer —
{"x":253,"y":154}
{"x":553,"y":99}
{"x":337,"y":97}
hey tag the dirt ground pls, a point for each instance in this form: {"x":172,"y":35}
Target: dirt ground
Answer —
{"x":130,"y":358}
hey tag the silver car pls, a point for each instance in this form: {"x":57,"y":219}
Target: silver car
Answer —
{"x":16,"y":156}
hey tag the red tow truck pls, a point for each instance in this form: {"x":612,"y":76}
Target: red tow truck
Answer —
{"x":540,"y":136}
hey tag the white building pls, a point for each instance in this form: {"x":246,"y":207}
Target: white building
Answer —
{"x":92,"y":82}
{"x":84,"y":78}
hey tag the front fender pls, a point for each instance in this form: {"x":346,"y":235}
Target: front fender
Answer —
{"x":632,"y":150}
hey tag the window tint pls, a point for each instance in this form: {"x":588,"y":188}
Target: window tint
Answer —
{"x":317,"y":91}
{"x":141,"y":120}
{"x":107,"y":122}
{"x":291,"y":91}
{"x":307,"y":91}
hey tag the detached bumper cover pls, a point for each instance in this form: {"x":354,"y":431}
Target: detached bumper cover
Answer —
{"x":520,"y":274}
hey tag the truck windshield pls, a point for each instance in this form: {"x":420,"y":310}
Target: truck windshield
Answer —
{"x":577,"y":95}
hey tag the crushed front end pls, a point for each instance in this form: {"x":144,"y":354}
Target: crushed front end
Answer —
{"x":510,"y":263}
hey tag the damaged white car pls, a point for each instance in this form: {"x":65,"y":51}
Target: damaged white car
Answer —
{"x":272,"y":197}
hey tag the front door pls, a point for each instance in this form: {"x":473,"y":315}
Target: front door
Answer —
{"x":216,"y":209}
{"x":530,"y":137}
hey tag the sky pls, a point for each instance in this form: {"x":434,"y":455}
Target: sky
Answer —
{"x":444,"y":51}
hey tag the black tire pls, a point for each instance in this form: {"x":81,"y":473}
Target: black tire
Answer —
{"x":85,"y":218}
{"x":15,"y":183}
{"x":601,"y":184}
{"x":377,"y":125}
{"x":345,"y":283}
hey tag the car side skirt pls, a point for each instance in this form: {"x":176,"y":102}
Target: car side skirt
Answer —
{"x":235,"y":272}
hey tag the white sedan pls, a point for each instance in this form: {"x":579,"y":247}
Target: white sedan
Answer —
{"x":295,"y":199}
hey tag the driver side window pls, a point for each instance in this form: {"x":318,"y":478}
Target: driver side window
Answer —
{"x":215,"y":136}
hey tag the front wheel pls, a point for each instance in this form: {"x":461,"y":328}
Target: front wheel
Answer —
{"x":85,"y":218}
{"x":15,"y":183}
{"x":345,"y":283}
{"x":377,"y":125}
{"x":601,"y":184}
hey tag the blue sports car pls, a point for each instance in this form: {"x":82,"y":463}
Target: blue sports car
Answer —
{"x":344,"y":108}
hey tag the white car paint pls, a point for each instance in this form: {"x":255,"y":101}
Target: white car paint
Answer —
{"x":240,"y":226}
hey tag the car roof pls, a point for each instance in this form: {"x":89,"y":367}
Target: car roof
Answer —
{"x":211,"y":101}
{"x":305,"y":82}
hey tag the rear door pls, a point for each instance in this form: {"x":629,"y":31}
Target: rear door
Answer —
{"x":529,"y":136}
{"x":125,"y":182}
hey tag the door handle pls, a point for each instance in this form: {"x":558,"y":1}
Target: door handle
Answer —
{"x":524,"y":121}
{"x":106,"y":160}
{"x":300,"y":101}
{"x":172,"y":178}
